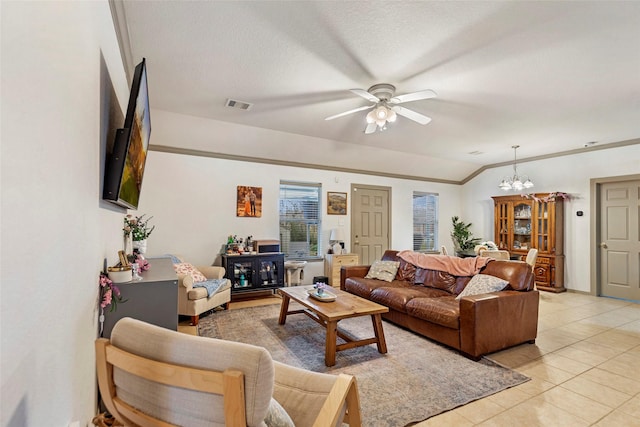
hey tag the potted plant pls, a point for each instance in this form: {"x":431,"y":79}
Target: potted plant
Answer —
{"x":463,"y":240}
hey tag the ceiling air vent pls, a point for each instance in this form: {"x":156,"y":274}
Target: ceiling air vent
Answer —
{"x":475,"y":153}
{"x":238,"y":104}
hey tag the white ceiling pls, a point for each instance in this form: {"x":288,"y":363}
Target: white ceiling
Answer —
{"x":548,"y":76}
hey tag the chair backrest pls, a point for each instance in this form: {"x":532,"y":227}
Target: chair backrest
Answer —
{"x":495,"y":254}
{"x":152,"y":376}
{"x":532,"y":256}
{"x":443,"y":250}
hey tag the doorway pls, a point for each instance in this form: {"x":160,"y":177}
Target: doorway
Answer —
{"x":370,"y":221}
{"x":617,"y":246}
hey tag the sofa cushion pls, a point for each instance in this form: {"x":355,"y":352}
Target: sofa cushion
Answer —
{"x":383,"y":270}
{"x":483,"y":284}
{"x":406,"y":271}
{"x":444,"y":311}
{"x":436,"y":279}
{"x":363,"y":287}
{"x":396,"y":298}
{"x":188,"y":269}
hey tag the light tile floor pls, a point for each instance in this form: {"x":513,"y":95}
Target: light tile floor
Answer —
{"x":584,"y":368}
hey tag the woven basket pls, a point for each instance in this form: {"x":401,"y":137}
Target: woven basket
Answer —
{"x":106,"y":420}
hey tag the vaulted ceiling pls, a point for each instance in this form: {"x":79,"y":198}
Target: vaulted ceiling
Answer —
{"x":548,"y":76}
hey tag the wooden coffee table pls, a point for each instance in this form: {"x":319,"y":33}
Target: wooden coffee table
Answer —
{"x":328,"y":314}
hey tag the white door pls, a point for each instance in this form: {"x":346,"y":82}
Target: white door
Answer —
{"x":620,"y":239}
{"x":370,"y":230}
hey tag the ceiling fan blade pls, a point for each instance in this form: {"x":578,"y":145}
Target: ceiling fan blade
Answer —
{"x":366,"y":95}
{"x":355,"y":110}
{"x":412,"y":115}
{"x":371,"y":128}
{"x":415,"y":96}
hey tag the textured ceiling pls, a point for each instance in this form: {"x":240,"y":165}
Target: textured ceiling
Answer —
{"x":548,"y":76}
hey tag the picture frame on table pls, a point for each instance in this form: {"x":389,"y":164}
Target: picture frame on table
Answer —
{"x":336,"y":203}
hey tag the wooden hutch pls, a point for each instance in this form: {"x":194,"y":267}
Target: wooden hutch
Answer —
{"x":533,"y":221}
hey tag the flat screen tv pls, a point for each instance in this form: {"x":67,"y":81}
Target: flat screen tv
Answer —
{"x":125,"y":166}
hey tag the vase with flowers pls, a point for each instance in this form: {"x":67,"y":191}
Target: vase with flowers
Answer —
{"x":137,"y":229}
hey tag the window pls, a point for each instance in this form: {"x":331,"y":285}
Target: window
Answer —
{"x":425,"y":221}
{"x":299,"y":219}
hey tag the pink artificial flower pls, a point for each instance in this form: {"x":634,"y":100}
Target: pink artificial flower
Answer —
{"x":116,"y":290}
{"x":106,"y":299}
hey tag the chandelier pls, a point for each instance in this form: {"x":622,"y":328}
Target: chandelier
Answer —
{"x":381,"y":115}
{"x":515,"y":182}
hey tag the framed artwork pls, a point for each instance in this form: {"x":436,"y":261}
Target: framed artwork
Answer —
{"x":336,"y":203}
{"x":249,"y":201}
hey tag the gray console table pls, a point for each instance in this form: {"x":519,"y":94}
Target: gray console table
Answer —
{"x":154,"y":299}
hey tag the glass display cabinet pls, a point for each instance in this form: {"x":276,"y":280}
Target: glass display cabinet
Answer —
{"x":535,"y":221}
{"x":254,"y":272}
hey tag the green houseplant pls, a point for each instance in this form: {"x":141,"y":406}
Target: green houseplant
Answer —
{"x":462,"y":237}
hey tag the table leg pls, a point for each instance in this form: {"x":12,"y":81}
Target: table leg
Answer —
{"x":330,"y":348}
{"x":284,"y":308}
{"x":377,"y":328}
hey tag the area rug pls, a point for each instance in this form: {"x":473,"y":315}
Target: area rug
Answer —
{"x":415,"y":380}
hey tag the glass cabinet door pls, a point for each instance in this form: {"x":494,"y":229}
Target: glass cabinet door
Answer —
{"x":242,"y":274}
{"x":521,"y":227}
{"x":542,"y":227}
{"x":268,"y":272}
{"x":502,"y":225}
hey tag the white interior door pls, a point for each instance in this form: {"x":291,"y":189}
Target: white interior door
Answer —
{"x":370,"y":235}
{"x":620,"y":239}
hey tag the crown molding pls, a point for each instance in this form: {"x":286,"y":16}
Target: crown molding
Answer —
{"x":235,"y":157}
{"x":201,"y":153}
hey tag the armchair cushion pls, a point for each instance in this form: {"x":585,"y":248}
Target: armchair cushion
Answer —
{"x":277,"y":416}
{"x":211,"y":285}
{"x":188,"y":269}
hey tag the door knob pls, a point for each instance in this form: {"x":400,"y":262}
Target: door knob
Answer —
{"x":604,"y":246}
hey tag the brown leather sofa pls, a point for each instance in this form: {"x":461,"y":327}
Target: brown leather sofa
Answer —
{"x":424,"y":301}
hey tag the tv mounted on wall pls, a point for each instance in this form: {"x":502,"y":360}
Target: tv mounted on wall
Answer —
{"x":125,"y":167}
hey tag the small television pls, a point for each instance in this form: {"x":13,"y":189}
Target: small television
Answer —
{"x":125,"y":166}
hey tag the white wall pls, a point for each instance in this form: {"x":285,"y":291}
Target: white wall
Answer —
{"x":193,"y":203}
{"x":55,"y":229}
{"x":570,"y":174}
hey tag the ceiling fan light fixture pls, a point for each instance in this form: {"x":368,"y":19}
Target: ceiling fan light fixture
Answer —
{"x":392,"y":116}
{"x":382,"y":112}
{"x":371,"y":117}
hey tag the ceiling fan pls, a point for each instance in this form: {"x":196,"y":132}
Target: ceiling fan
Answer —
{"x":386,"y":108}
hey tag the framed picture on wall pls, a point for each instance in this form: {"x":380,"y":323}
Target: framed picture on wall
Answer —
{"x":336,"y":203}
{"x":249,"y":201}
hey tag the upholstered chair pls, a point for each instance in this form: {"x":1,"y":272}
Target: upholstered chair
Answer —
{"x":495,"y":254}
{"x":532,"y":256}
{"x":194,"y":300}
{"x":152,"y":376}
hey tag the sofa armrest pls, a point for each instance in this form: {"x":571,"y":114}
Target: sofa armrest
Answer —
{"x":491,"y":322}
{"x":347,"y":271}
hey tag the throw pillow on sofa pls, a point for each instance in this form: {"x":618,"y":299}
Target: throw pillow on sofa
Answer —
{"x":188,"y":269}
{"x":383,"y":270}
{"x":483,"y":284}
